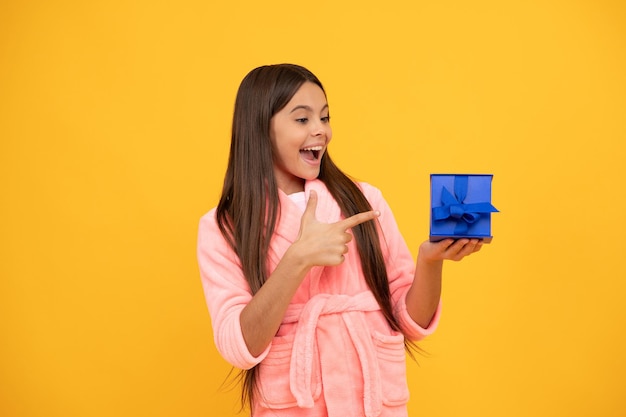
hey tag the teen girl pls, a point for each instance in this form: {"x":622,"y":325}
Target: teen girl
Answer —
{"x":311,"y":288}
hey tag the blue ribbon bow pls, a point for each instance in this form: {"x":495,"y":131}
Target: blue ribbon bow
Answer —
{"x":454,"y":207}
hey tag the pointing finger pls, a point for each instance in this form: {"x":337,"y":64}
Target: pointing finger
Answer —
{"x":357,"y":219}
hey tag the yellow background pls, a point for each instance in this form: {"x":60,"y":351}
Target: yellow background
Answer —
{"x":114,"y":131}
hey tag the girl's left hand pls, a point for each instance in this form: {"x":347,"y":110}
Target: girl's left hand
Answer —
{"x":449,"y":249}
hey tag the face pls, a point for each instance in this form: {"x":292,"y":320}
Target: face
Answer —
{"x":300,"y":133}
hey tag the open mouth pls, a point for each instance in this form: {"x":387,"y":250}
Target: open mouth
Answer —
{"x":312,"y":154}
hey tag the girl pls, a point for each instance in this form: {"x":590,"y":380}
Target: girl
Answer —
{"x":311,"y":288}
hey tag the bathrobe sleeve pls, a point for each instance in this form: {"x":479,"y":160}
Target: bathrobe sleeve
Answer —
{"x":400,"y":266}
{"x":226,"y":291}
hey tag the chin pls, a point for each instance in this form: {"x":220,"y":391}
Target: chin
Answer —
{"x":312,"y":176}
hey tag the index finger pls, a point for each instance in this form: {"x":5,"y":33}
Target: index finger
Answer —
{"x":357,"y":219}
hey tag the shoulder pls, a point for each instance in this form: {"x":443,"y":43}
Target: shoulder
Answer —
{"x":378,"y":202}
{"x":208,"y":228}
{"x":212,"y":247}
{"x":209,"y":218}
{"x":372,"y":193}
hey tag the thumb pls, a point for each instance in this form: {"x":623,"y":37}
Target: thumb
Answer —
{"x":311,"y":205}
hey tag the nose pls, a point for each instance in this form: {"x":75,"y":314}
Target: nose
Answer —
{"x":320,"y":129}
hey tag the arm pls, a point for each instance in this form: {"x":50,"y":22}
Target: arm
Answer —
{"x":415,"y":284}
{"x":243,"y":324}
{"x":262,"y":316}
{"x":423,"y":296}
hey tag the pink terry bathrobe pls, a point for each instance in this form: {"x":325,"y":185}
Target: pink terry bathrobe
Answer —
{"x":334,"y":354}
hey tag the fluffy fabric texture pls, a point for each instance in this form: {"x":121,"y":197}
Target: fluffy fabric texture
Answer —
{"x":334,"y":354}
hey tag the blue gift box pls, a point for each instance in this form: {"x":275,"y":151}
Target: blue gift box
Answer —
{"x":460,"y":206}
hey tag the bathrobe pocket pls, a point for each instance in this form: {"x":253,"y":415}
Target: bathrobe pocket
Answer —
{"x":274,"y":376}
{"x":392,"y":364}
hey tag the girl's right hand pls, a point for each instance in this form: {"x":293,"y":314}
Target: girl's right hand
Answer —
{"x":325,"y":244}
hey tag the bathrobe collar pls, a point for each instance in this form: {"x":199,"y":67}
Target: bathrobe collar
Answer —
{"x":327,"y":210}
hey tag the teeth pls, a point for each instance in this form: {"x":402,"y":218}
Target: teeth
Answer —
{"x":313,"y":148}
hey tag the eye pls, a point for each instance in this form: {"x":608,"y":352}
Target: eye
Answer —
{"x":302,"y":120}
{"x":326,"y":119}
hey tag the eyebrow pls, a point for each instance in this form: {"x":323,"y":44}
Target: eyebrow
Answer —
{"x":307,"y":108}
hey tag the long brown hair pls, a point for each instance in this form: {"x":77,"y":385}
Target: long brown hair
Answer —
{"x":249,"y":206}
